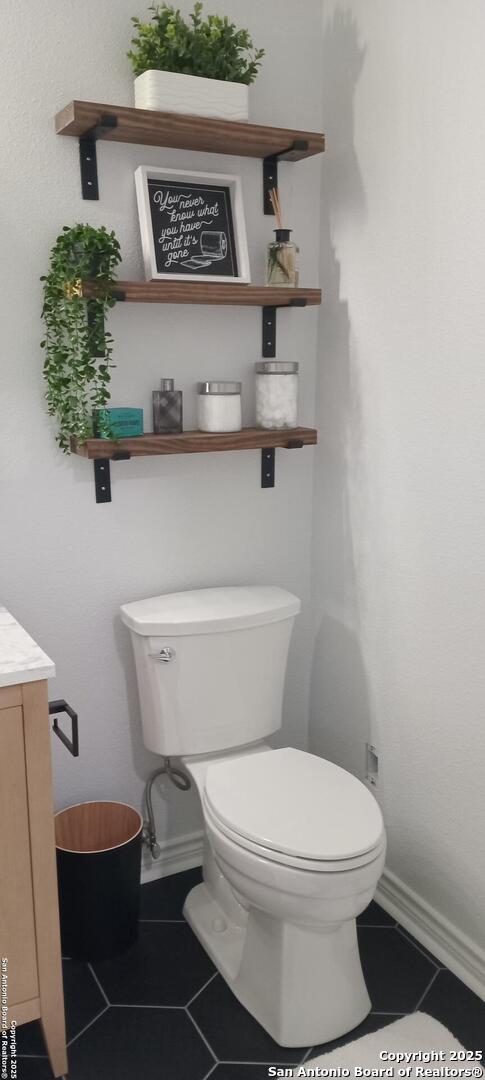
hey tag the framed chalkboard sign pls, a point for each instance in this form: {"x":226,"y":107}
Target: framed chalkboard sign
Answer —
{"x":192,"y":225}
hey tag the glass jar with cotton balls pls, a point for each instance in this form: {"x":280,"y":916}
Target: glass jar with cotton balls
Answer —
{"x":276,"y":394}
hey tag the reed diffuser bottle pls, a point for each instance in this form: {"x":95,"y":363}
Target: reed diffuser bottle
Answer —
{"x":282,"y":257}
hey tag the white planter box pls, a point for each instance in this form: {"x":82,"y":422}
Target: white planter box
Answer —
{"x":168,"y":91}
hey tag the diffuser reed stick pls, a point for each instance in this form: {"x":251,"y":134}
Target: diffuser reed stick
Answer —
{"x":281,"y":267}
{"x":276,"y":204}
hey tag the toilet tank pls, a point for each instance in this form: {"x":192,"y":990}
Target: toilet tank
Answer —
{"x":210,"y":666}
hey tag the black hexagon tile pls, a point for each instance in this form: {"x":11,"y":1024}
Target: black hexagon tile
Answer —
{"x":375,"y":916}
{"x":83,"y":1001}
{"x":32,"y":1069}
{"x":233,"y":1033}
{"x":396,"y":974}
{"x":167,"y":966}
{"x":417,"y":945}
{"x":30,"y":1039}
{"x":149,"y":1043}
{"x":165,"y":899}
{"x":372,"y":1022}
{"x":458,"y":1008}
{"x":237,"y":1071}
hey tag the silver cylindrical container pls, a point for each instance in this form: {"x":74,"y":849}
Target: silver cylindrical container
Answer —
{"x":276,"y":394}
{"x":219,"y":406}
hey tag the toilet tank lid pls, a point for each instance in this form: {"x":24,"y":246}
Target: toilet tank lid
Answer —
{"x":207,"y":611}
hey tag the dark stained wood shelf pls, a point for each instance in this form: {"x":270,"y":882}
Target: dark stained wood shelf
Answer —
{"x":187,"y":132}
{"x":195,"y":442}
{"x":201,"y":292}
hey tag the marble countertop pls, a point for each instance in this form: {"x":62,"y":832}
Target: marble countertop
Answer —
{"x":21,"y":659}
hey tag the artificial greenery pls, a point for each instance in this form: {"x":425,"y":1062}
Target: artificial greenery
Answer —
{"x":78,"y":348}
{"x":212,"y":48}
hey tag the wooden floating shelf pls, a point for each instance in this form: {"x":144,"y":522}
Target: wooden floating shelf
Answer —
{"x":90,"y":121}
{"x":151,"y":128}
{"x":198,"y":292}
{"x":195,"y":442}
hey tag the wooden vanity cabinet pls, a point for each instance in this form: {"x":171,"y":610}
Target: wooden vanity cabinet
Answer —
{"x":30,"y":946}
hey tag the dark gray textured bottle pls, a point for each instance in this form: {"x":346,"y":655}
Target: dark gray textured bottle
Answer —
{"x":167,"y":409}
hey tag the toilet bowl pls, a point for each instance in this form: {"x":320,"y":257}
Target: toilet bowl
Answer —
{"x":300,"y":870}
{"x":294,"y":845}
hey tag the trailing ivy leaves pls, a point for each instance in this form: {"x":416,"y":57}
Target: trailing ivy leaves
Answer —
{"x":78,"y":348}
{"x":213,"y":48}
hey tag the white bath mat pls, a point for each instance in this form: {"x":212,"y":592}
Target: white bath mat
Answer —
{"x":430,"y":1045}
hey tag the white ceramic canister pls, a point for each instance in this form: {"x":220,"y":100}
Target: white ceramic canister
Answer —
{"x":276,"y":394}
{"x":219,"y":406}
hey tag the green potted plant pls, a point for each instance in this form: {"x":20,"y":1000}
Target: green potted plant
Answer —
{"x":78,"y":348}
{"x":200,"y":66}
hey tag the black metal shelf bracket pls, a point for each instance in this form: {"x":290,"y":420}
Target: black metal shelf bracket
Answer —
{"x":270,"y":169}
{"x":268,"y":344}
{"x":102,"y":475}
{"x":102,"y":480}
{"x":267,"y":467}
{"x":88,"y":158}
{"x":268,"y":348}
{"x":269,"y":332}
{"x":268,"y":461}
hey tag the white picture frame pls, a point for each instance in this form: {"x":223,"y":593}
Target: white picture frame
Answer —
{"x":188,"y":245}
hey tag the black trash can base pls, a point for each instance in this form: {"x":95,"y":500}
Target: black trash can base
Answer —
{"x":98,"y":866}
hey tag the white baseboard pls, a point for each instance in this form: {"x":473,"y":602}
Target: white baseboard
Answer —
{"x":183,"y":853}
{"x":452,"y":947}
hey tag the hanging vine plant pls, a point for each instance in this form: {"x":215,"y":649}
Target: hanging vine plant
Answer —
{"x":78,"y":348}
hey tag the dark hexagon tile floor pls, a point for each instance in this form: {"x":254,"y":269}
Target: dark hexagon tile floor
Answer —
{"x":426,"y":952}
{"x":33,"y":1069}
{"x":232,"y":1032}
{"x":166,"y":966}
{"x":458,"y":1008}
{"x":164,"y":899}
{"x":397,"y":975}
{"x":148,"y":1043}
{"x":83,"y":999}
{"x":172,"y":1015}
{"x":372,"y":1022}
{"x":375,"y":916}
{"x":239,"y":1072}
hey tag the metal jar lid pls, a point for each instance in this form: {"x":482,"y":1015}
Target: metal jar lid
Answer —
{"x":219,"y":388}
{"x":276,"y":367}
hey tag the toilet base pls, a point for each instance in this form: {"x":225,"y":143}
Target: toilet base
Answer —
{"x":304,"y":985}
{"x":221,"y":939}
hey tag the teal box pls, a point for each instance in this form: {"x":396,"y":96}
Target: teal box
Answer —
{"x":118,"y":423}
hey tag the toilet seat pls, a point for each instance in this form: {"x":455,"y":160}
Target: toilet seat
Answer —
{"x":280,"y":858}
{"x":293,"y":808}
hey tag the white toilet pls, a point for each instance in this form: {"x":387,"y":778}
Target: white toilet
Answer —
{"x":294,"y":845}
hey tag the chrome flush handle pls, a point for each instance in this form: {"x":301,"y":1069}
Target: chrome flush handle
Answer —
{"x":165,"y":655}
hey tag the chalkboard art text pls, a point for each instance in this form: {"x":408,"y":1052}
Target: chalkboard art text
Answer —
{"x":193,"y":231}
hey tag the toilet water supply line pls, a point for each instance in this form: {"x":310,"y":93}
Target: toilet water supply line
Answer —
{"x":182,"y":782}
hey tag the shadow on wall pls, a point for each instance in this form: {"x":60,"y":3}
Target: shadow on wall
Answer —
{"x":339,"y":702}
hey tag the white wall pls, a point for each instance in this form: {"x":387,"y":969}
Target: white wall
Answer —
{"x":67,"y":564}
{"x":398,"y":543}
{"x":399,"y":537}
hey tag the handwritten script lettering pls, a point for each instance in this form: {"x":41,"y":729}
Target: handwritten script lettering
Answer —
{"x":192,"y":228}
